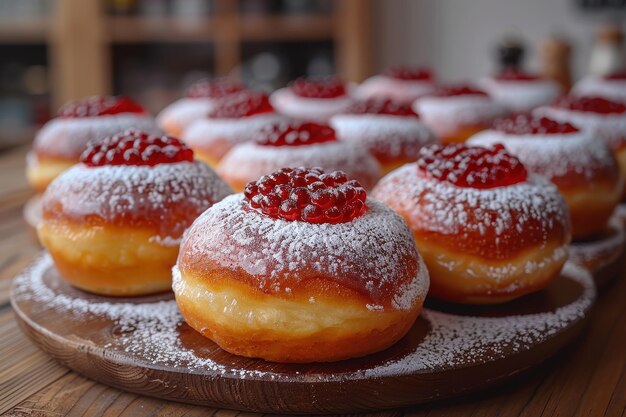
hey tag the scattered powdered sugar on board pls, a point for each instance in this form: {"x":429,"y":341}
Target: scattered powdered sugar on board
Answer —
{"x":149,"y":333}
{"x":553,"y":155}
{"x":67,"y":138}
{"x":374,"y":252}
{"x":249,"y":161}
{"x":386,"y":136}
{"x":462,"y":341}
{"x":137,"y":193}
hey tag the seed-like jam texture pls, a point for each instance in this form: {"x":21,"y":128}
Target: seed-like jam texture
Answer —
{"x":458,"y":90}
{"x":216,"y":88}
{"x":99,"y":106}
{"x":308,"y":195}
{"x":616,"y":76}
{"x":513,"y":74}
{"x":526,"y":124}
{"x":472,"y":166}
{"x":295,"y":133}
{"x":378,"y":106}
{"x":136,"y":148}
{"x":409,"y":74}
{"x":243,"y":104}
{"x":318,"y":88}
{"x":590,"y":104}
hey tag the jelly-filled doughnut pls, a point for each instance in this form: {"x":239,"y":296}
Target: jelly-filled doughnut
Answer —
{"x":296,"y":144}
{"x":400,"y":84}
{"x":520,"y":91}
{"x":60,"y":142}
{"x":391,"y":131}
{"x":488,"y":231}
{"x":233,"y":120}
{"x":603,"y":118}
{"x":199,"y":100}
{"x":582,"y":167}
{"x":113,"y":223}
{"x":312,"y":98}
{"x":610,"y":86}
{"x":296,"y":270}
{"x":455,"y":113}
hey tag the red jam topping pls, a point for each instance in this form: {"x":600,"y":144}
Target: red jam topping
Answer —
{"x":512,"y":74}
{"x":616,"y":76}
{"x":458,"y":90}
{"x":216,"y":88}
{"x":308,"y":195}
{"x":318,"y":88}
{"x":377,"y":106}
{"x":590,"y":104}
{"x":137,"y":148}
{"x":526,"y":124}
{"x":295,"y":134}
{"x":99,"y":106}
{"x":243,"y":104}
{"x":472,"y":166}
{"x":409,"y":74}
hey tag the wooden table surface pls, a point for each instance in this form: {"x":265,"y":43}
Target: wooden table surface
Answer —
{"x":586,"y":379}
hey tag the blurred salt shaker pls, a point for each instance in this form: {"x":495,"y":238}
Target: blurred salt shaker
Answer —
{"x":607,"y":55}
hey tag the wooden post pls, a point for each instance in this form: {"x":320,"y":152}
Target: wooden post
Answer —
{"x":227,"y":37}
{"x":353,"y":48}
{"x":79,"y":55}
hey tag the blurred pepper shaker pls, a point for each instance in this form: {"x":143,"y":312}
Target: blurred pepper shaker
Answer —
{"x":510,"y":53}
{"x":555,"y":57}
{"x":607,"y":55}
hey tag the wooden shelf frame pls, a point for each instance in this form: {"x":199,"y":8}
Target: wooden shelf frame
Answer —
{"x":24,"y":31}
{"x":80,"y":35}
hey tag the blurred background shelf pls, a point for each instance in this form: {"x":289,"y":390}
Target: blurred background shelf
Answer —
{"x":26,"y":30}
{"x":58,"y":50}
{"x":153,"y":49}
{"x":131,"y":29}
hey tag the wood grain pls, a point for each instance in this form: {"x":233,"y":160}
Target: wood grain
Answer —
{"x":586,"y":379}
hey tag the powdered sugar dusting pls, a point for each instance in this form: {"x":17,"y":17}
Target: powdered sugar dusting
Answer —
{"x":611,"y":128}
{"x":447,"y":114}
{"x":553,"y":155}
{"x":287,"y":103}
{"x":521,"y":95}
{"x":386,"y":136}
{"x":249,"y":161}
{"x":444,"y":208}
{"x":203,"y":133}
{"x":67,"y":138}
{"x":374,"y":252}
{"x":185,"y":111}
{"x":137,"y":193}
{"x":150,"y":332}
{"x":404,"y":91}
{"x":601,"y":87}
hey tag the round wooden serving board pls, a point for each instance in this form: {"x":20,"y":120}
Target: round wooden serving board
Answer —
{"x":141,"y":345}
